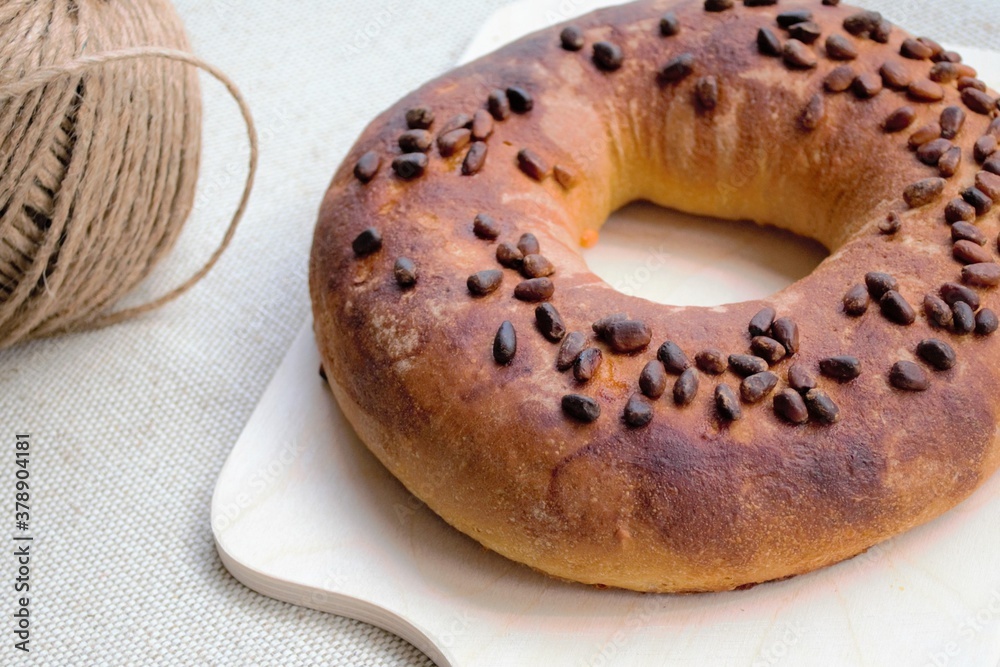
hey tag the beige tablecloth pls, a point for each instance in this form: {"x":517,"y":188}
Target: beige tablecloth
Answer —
{"x":131,"y":425}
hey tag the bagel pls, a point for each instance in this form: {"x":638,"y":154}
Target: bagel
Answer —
{"x":608,"y":440}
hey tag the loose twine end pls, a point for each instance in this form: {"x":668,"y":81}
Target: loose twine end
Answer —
{"x":24,"y":317}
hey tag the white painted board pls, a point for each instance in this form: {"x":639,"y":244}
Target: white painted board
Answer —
{"x":304,"y":513}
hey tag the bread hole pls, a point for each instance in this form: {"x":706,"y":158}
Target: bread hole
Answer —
{"x":685,"y":260}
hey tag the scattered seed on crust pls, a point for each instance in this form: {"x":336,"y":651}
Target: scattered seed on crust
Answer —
{"x":673,"y":358}
{"x":686,"y":387}
{"x":498,"y":104}
{"x":952,"y":121}
{"x":950,"y":162}
{"x":482,"y":125}
{"x":474,"y":159}
{"x":867,"y":85}
{"x":963,"y":318}
{"x":968,"y":252}
{"x":454,"y":141}
{"x":536,"y":266}
{"x":571,"y":38}
{"x":978,"y":101}
{"x":981,"y":275}
{"x":670,"y":25}
{"x":821,"y":407}
{"x":638,"y":411}
{"x":937,"y":353}
{"x":367,"y":166}
{"x":587,"y":364}
{"x":786,"y":331}
{"x":572,"y":345}
{"x":843,"y":368}
{"x":896,"y":309}
{"x":628,"y":336}
{"x":895,"y":76}
{"x":726,"y":403}
{"x":900,"y":119}
{"x":839,"y":79}
{"x":534,"y":290}
{"x":550,"y":322}
{"x":925,"y":134}
{"x":959,"y":210}
{"x":505,"y":344}
{"x":532,"y":164}
{"x":891,"y":224}
{"x":985,"y":147}
{"x":839,"y":47}
{"x":761,"y":322}
{"x":755,"y":387}
{"x":966,"y":231}
{"x":509,"y":256}
{"x":798,"y":56}
{"x":768,"y":349}
{"x":813,"y":114}
{"x":925,"y":90}
{"x":745,"y":365}
{"x":581,"y":408}
{"x":520,"y":100}
{"x":787,"y":19}
{"x":800,"y":378}
{"x":711,"y":361}
{"x":608,"y":56}
{"x":986,"y":322}
{"x":367,"y":242}
{"x":653,"y":380}
{"x":953,"y":293}
{"x":419,"y":118}
{"x":924,"y":192}
{"x":879,"y":282}
{"x":485,"y":282}
{"x":908,"y":376}
{"x":856,"y":301}
{"x":677,"y":69}
{"x":937,"y":311}
{"x":415,"y":141}
{"x":485,"y":227}
{"x":789,"y":405}
{"x":915,"y":50}
{"x":707,"y":92}
{"x":405,"y":272}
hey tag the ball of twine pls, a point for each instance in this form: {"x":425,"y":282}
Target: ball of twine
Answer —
{"x":100,"y":138}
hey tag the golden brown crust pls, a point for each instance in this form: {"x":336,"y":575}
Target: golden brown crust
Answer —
{"x":691,"y":501}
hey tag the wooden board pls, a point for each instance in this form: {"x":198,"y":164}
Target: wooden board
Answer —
{"x":304,"y":513}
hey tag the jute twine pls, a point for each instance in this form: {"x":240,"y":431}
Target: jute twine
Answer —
{"x":100,"y":139}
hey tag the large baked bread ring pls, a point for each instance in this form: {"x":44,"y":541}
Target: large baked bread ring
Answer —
{"x":609,"y":440}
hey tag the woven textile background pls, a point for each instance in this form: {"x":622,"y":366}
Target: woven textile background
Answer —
{"x":131,"y":425}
